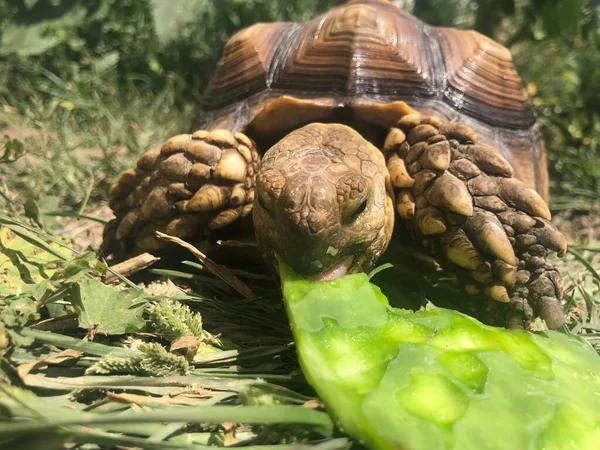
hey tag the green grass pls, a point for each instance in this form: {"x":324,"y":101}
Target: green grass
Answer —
{"x":76,"y":144}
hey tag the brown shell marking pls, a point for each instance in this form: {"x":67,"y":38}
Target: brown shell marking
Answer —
{"x":246,"y":60}
{"x":354,"y":45}
{"x":373,"y":48}
{"x":480,"y":69}
{"x":367,"y":54}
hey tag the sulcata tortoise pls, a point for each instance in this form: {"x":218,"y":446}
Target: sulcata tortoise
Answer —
{"x":330,"y":131}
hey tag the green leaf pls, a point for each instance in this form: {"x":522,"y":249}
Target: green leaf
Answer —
{"x":26,"y":260}
{"x":34,"y":239}
{"x":109,"y":310}
{"x":34,"y":37}
{"x":13,"y":150}
{"x":32,"y":211}
{"x":170,"y":16}
{"x":561,"y":17}
{"x":18,"y":310}
{"x":437,"y":379}
{"x":77,"y":268}
{"x":17,"y":339}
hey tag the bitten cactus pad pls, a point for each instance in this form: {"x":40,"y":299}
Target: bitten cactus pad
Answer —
{"x":437,"y":379}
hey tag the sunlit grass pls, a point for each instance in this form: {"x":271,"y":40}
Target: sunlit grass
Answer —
{"x":77,"y":144}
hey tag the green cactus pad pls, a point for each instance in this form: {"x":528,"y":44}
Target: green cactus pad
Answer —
{"x":437,"y":379}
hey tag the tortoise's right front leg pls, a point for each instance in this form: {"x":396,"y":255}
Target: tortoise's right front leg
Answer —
{"x":192,"y":185}
{"x":462,"y":202}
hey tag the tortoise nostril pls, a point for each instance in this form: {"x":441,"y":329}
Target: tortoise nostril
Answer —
{"x":291,"y":204}
{"x":313,"y":223}
{"x":296,"y":219}
{"x":306,"y":222}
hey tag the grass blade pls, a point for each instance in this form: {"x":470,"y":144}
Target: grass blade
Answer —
{"x":8,"y":222}
{"x":91,"y":348}
{"x":273,"y":414}
{"x":33,"y":239}
{"x":585,"y":262}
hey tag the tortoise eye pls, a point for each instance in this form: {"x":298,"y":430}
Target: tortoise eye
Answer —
{"x":263,"y":204}
{"x":359,"y":209}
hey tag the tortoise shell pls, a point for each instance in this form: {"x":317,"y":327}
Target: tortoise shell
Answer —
{"x":357,"y":62}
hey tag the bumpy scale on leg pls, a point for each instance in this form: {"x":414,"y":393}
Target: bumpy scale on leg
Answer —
{"x":192,"y":185}
{"x":475,"y":218}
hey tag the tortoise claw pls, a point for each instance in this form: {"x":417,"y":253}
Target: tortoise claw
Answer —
{"x":398,"y":173}
{"x":497,"y":293}
{"x":460,"y":250}
{"x":449,"y":193}
{"x":481,"y":223}
{"x":551,"y":311}
{"x":487,"y":159}
{"x":514,"y":192}
{"x":208,"y":198}
{"x":549,"y":236}
{"x":486,"y":231}
{"x":429,"y":221}
{"x":405,"y":204}
{"x":505,"y":272}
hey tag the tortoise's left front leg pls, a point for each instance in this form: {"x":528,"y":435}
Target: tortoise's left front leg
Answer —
{"x":461,"y":200}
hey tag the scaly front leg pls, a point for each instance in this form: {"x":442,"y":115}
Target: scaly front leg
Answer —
{"x":462,"y":202}
{"x":191,"y":186}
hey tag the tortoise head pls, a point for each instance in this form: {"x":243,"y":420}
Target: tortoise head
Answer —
{"x":324,"y":202}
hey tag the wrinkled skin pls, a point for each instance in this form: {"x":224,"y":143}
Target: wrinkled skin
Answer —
{"x":324,"y":202}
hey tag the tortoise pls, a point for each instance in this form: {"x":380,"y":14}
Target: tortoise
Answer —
{"x":336,"y":131}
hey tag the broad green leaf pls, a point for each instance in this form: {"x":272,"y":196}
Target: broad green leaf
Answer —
{"x":35,"y":38}
{"x":24,"y":264}
{"x":110,"y":310}
{"x":34,"y":238}
{"x":437,"y":379}
{"x":16,"y":311}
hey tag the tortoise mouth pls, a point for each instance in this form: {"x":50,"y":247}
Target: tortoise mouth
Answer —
{"x":336,"y":271}
{"x":346,"y":265}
